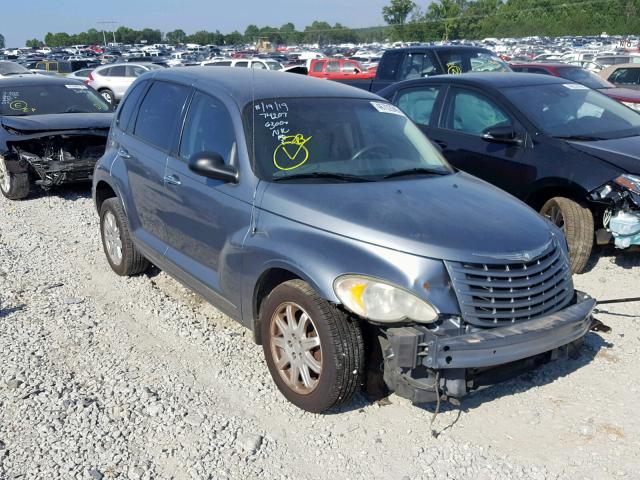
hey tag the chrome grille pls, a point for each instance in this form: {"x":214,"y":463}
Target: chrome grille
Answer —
{"x":494,"y":294}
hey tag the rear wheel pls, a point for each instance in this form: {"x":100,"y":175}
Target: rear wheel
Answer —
{"x":121,"y":253}
{"x":107,"y":95}
{"x":315,"y":352}
{"x":576,"y":221}
{"x":14,"y":186}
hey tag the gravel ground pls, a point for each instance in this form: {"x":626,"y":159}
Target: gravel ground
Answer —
{"x":105,"y":377}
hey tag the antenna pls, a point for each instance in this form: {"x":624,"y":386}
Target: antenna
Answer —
{"x":113,"y":30}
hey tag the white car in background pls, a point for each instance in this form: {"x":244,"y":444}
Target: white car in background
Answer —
{"x":260,"y":63}
{"x":112,"y":81}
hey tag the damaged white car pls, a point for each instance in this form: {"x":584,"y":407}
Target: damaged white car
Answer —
{"x":52,"y":132}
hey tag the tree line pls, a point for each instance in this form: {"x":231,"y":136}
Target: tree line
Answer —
{"x":407,"y":21}
{"x":477,"y":19}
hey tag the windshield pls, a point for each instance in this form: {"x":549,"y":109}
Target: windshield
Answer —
{"x":573,"y":110}
{"x":362,"y":139}
{"x":584,"y":77}
{"x":50,"y":99}
{"x":274,"y":65}
{"x":11,"y":68}
{"x":469,"y":60}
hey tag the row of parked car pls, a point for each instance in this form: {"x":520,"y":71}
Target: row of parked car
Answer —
{"x":362,"y":238}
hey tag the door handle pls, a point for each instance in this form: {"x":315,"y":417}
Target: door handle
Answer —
{"x":172,"y":180}
{"x":123,"y":153}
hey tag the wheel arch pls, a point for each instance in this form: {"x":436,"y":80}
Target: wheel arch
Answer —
{"x":540,"y":193}
{"x":103,"y":191}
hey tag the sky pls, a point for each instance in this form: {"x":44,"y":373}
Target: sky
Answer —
{"x":74,"y":16}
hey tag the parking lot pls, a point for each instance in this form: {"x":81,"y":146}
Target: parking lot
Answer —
{"x":107,"y":377}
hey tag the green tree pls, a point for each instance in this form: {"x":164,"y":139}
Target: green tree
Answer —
{"x":251,"y":34}
{"x":234,"y":38}
{"x":1,"y":41}
{"x":34,"y":43}
{"x":396,"y":14}
{"x":176,"y":37}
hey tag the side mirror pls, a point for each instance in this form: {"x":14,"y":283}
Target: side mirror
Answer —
{"x":211,"y":165}
{"x":504,"y":134}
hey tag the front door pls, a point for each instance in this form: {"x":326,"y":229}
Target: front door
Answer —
{"x":467,"y":117}
{"x":206,"y":222}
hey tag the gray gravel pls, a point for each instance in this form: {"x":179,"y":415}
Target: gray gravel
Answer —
{"x":104,"y":377}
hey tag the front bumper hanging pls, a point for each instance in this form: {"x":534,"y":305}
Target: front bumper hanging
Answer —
{"x":413,"y":354}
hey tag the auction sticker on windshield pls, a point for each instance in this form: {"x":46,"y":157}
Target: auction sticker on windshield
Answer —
{"x":387,"y":108}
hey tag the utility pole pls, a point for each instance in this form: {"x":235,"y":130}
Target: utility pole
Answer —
{"x":113,"y":30}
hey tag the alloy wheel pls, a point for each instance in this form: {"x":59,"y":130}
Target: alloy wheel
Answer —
{"x":5,"y":179}
{"x":112,"y":239}
{"x":295,"y":347}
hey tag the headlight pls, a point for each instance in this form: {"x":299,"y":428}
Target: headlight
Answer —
{"x":630,"y":182}
{"x":378,"y":301}
{"x":635,"y":106}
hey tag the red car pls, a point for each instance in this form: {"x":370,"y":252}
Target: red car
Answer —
{"x":630,"y":98}
{"x":339,"y":69}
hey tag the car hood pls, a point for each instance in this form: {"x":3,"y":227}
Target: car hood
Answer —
{"x":623,"y":153}
{"x":622,"y":94}
{"x":453,"y":217}
{"x":62,"y":121}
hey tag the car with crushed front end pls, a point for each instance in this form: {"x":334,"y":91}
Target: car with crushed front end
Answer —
{"x":568,"y":151}
{"x":321,"y":218}
{"x":52,"y":132}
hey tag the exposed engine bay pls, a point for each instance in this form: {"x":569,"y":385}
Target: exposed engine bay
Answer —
{"x":622,"y":213}
{"x":61,"y":158}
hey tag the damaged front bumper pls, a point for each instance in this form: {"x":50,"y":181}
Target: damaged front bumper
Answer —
{"x":622,"y":214}
{"x":416,"y":359}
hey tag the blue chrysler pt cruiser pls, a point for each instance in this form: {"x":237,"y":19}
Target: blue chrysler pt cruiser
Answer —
{"x":320,"y":217}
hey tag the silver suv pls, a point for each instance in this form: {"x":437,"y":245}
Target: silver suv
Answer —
{"x":113,"y":80}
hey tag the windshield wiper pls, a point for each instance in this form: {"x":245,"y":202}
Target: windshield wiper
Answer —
{"x":416,"y":171}
{"x":586,"y":138}
{"x":337,"y":176}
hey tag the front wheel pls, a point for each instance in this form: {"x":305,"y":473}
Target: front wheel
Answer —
{"x":14,"y":186}
{"x":314,"y":351}
{"x":576,"y":222}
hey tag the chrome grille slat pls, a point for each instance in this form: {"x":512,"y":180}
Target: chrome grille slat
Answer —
{"x":494,"y":294}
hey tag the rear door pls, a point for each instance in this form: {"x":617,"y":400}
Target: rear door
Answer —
{"x":468,"y":115}
{"x":422,"y":104}
{"x":117,"y":80}
{"x":205,"y":220}
{"x":154,"y":132}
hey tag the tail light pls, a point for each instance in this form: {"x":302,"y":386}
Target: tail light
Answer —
{"x":89,"y":78}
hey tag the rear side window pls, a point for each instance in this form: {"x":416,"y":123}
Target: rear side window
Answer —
{"x":626,"y":76}
{"x":129,"y":104}
{"x":389,"y":65}
{"x":317,"y":66}
{"x":242,"y":64}
{"x":208,"y":128}
{"x":416,"y":65}
{"x":159,"y":114}
{"x":418,"y":103}
{"x":118,"y":71}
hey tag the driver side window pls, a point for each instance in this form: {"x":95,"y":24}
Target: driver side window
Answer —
{"x":470,"y":112}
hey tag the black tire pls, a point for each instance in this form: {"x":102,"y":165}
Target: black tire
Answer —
{"x":576,"y":221}
{"x":108,"y":96}
{"x":341,"y":347}
{"x":132,"y":262}
{"x":14,"y":186}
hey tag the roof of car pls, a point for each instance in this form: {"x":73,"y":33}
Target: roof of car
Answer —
{"x":441,"y":47}
{"x":245,"y":84}
{"x":490,"y":79}
{"x":544,"y":64}
{"x":31,"y":79}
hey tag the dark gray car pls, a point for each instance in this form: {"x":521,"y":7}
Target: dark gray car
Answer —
{"x":322,"y":219}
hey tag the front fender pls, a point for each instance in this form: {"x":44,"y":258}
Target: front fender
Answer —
{"x":319,"y":257}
